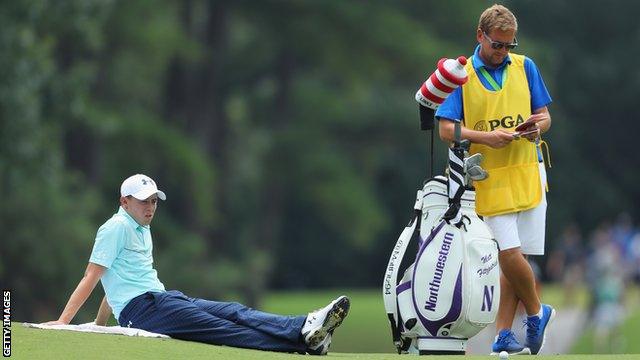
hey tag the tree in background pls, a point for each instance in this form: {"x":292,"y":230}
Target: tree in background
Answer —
{"x":284,"y":132}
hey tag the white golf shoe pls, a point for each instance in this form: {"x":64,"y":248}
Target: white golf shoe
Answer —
{"x":322,"y":348}
{"x":320,"y":324}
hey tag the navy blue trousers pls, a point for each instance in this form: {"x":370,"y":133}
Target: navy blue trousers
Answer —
{"x":221,"y":323}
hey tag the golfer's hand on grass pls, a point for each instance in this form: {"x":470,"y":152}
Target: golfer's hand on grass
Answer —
{"x":498,"y":138}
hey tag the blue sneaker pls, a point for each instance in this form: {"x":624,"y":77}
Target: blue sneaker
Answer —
{"x":537,"y":327}
{"x":506,"y":341}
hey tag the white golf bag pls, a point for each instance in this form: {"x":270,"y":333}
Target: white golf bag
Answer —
{"x":452,"y":290}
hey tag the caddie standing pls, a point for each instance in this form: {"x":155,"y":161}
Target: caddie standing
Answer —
{"x":505,"y":91}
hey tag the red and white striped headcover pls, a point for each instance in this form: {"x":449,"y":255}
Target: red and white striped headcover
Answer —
{"x":448,"y":76}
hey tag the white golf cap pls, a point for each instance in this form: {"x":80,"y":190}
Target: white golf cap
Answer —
{"x":140,"y":187}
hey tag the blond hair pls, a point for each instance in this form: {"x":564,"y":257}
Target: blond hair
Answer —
{"x":497,"y":17}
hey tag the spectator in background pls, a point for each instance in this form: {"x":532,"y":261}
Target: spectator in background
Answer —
{"x":608,"y":278}
{"x":565,"y":263}
{"x":634,"y":251}
{"x":598,"y":237}
{"x":622,"y":232}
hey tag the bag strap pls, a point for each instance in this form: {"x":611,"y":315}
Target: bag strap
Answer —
{"x":393,"y":268}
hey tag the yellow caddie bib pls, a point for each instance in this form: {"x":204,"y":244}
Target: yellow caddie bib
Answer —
{"x":514,"y":179}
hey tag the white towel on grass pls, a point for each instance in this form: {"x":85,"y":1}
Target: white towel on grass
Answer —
{"x":93,"y":328}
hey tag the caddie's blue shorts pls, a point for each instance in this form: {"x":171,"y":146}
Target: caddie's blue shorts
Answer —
{"x":221,"y":323}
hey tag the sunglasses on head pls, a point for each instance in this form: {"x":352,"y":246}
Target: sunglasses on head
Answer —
{"x":499,"y":44}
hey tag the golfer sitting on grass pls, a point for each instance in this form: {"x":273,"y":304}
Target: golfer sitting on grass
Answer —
{"x":122,"y":259}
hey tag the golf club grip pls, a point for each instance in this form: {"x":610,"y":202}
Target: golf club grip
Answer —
{"x":426,"y":118}
{"x":457,"y":134}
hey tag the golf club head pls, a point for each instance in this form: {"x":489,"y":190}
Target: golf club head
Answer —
{"x":473,"y":160}
{"x":476,"y":173}
{"x":473,"y":169}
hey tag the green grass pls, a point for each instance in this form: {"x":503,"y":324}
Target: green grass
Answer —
{"x":366,"y":329}
{"x":364,"y":335}
{"x":31,"y":343}
{"x":623,"y":339}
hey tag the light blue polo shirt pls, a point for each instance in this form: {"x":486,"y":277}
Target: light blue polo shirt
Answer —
{"x":125,"y":248}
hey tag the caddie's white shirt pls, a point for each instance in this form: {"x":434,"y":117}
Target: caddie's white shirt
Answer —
{"x":125,"y":248}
